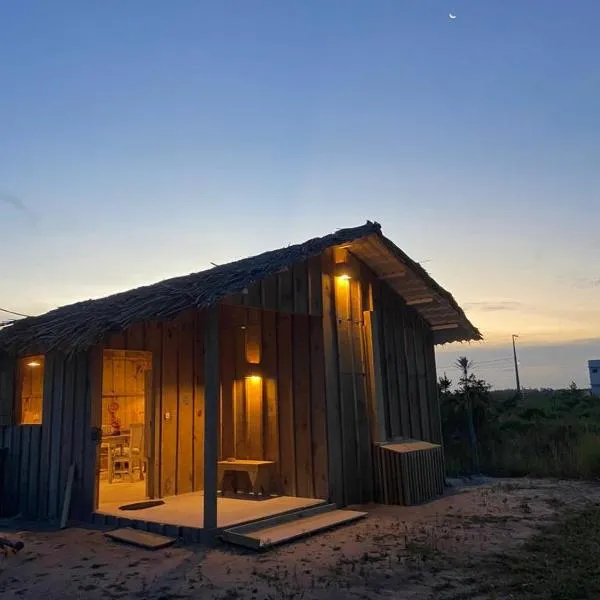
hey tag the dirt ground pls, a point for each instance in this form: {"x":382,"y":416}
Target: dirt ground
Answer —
{"x":396,"y":552}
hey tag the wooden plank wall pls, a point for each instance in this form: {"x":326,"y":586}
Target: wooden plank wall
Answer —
{"x":279,"y":418}
{"x":311,"y":412}
{"x":279,"y":414}
{"x":177,"y":348}
{"x":406,"y":378}
{"x":349,"y":411}
{"x":408,"y":370}
{"x":39,"y":456}
{"x":294,"y":290}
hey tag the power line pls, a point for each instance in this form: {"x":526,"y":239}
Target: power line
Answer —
{"x":476,"y":363}
{"x":12,"y":312}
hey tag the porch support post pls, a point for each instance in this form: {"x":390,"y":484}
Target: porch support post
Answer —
{"x":211,"y":415}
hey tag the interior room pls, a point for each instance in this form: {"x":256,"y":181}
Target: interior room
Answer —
{"x":124,"y":427}
{"x":31,"y":382}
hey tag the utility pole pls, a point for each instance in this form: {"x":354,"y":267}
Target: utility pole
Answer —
{"x":516,"y":365}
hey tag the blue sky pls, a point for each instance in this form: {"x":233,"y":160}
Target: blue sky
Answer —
{"x":149,"y":138}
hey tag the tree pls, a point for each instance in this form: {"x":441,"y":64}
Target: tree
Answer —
{"x":444,"y":385}
{"x":464,"y":364}
{"x":465,"y":385}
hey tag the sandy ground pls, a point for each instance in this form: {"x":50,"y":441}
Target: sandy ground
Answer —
{"x":396,"y":552}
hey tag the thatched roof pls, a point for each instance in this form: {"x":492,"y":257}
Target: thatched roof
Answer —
{"x":81,"y":325}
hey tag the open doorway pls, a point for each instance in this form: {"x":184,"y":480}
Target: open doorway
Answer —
{"x":125,"y":427}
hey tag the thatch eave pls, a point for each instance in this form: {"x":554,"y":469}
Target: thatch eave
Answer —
{"x":83,"y":324}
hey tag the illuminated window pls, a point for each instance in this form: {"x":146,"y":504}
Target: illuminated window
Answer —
{"x":31,"y":386}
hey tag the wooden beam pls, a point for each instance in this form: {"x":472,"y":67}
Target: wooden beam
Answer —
{"x":444,"y":327}
{"x":211,"y":415}
{"x":418,"y":301}
{"x":149,"y":424}
{"x":94,"y":418}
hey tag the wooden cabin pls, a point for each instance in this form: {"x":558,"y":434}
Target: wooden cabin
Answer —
{"x":284,"y":376}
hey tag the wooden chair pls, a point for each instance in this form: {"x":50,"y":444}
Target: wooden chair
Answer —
{"x":135,"y":451}
{"x":132,"y":455}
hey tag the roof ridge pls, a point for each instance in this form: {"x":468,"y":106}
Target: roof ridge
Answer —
{"x":55,"y":327}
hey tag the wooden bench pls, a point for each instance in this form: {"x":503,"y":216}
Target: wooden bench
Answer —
{"x":260,"y":473}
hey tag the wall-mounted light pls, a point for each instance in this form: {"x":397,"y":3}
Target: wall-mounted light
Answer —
{"x":253,"y":373}
{"x":33,"y":363}
{"x":343,"y":271}
{"x":342,"y":267}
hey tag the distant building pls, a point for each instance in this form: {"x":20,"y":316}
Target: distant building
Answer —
{"x":594,"y":366}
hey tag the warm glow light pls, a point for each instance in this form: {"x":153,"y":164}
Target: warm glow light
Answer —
{"x":343,"y":270}
{"x":33,"y":363}
{"x":254,"y":378}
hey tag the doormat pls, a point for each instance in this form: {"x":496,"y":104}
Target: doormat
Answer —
{"x":246,"y":496}
{"x":141,"y":505}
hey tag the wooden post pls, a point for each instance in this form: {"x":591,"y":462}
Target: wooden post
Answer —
{"x":93,"y":416}
{"x":211,"y":415}
{"x":148,"y":450}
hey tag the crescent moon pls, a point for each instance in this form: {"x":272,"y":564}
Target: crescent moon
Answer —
{"x":452,"y":16}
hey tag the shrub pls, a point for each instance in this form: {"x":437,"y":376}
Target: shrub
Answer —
{"x":546,"y":434}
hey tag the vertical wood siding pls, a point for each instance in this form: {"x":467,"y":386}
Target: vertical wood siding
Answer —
{"x":312,"y":413}
{"x":349,"y":412}
{"x":39,"y":456}
{"x":294,"y":290}
{"x":406,"y":385}
{"x":279,"y":417}
{"x":408,"y":373}
{"x":274,"y":419}
{"x":177,"y":447}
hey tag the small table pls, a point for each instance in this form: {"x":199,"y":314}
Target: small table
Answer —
{"x":259,"y":471}
{"x":112,"y":442}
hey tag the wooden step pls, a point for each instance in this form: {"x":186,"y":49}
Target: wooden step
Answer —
{"x":143,"y":539}
{"x":285,"y":528}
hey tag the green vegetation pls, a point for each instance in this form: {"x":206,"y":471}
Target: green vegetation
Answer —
{"x":559,"y":563}
{"x":545,"y":433}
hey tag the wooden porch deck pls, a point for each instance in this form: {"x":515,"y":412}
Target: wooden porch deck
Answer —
{"x":182,"y":515}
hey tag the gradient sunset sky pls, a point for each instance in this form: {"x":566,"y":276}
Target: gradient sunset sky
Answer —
{"x":142,"y":139}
